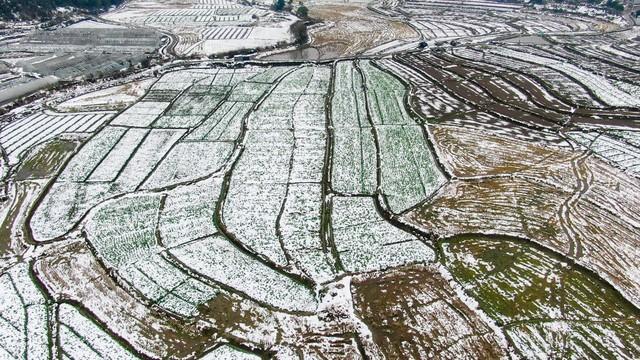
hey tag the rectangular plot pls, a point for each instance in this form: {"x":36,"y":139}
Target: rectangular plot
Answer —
{"x":366,"y":242}
{"x":266,"y":158}
{"x":188,"y":161}
{"x":409,"y":171}
{"x":354,"y":161}
{"x":188,"y":212}
{"x":160,"y":272}
{"x":178,"y":121}
{"x":228,"y":129}
{"x":139,"y":280}
{"x":274,"y":113}
{"x":385,"y":97}
{"x":300,"y":228}
{"x":223,"y":125}
{"x":188,"y":110}
{"x":259,"y":205}
{"x":111,"y":165}
{"x":244,"y":273}
{"x":308,"y":156}
{"x":301,"y":214}
{"x":151,"y":151}
{"x":249,"y":91}
{"x":91,"y":154}
{"x":194,"y":291}
{"x":141,"y":114}
{"x":348,"y":101}
{"x":296,"y":82}
{"x":224,"y":110}
{"x":309,"y":112}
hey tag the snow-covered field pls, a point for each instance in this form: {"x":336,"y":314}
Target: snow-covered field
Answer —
{"x":465,"y":184}
{"x":31,"y":130}
{"x":113,"y":98}
{"x":209,"y":28}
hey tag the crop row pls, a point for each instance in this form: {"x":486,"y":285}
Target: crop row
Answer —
{"x":21,"y":135}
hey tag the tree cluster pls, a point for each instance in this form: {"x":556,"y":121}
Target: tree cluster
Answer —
{"x":299,"y":31}
{"x":43,"y":9}
{"x":615,"y":5}
{"x":302,"y":11}
{"x":278,"y":5}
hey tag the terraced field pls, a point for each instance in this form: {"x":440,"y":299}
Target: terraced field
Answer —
{"x":476,"y":199}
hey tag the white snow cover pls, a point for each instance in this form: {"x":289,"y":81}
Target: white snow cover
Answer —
{"x":228,"y":352}
{"x":216,"y":258}
{"x":20,"y":135}
{"x":23,"y":316}
{"x":81,"y":338}
{"x":601,"y":86}
{"x":366,"y":242}
{"x":113,"y":97}
{"x":188,"y":161}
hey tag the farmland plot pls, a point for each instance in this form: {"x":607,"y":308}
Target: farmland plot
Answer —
{"x":617,"y":73}
{"x":228,"y":352}
{"x":226,"y":122}
{"x":129,"y":154}
{"x":354,"y":152}
{"x":191,"y":107}
{"x":599,"y":85}
{"x":545,"y":306}
{"x":431,"y":309}
{"x":558,"y":75}
{"x":141,"y":114}
{"x":562,"y":87}
{"x":177,"y":81}
{"x":569,"y":202}
{"x":24,"y":316}
{"x":499,"y":154}
{"x":118,"y":242}
{"x":188,"y":213}
{"x":366,"y":242}
{"x":158,"y":274}
{"x":79,"y":337}
{"x":244,"y":273}
{"x":497,"y":206}
{"x":432,"y":101}
{"x":55,"y":216}
{"x":146,"y":157}
{"x":543,"y":107}
{"x":490,"y":94}
{"x":404,"y":149}
{"x":205,"y":158}
{"x":284,"y":145}
{"x":409,"y":172}
{"x":135,"y":248}
{"x":45,"y":160}
{"x":20,"y":135}
{"x":77,"y":275}
{"x":353,"y":29}
{"x":115,"y":159}
{"x":113,"y":98}
{"x":619,"y":150}
{"x":209,"y":28}
{"x":431,"y":29}
{"x":337,"y":211}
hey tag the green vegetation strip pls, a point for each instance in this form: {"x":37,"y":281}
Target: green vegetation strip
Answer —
{"x":546,"y":306}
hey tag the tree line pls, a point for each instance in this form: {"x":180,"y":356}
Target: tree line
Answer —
{"x":43,"y":9}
